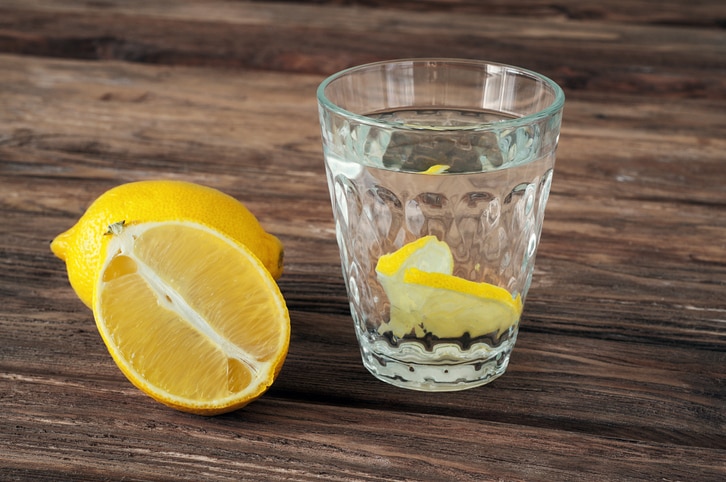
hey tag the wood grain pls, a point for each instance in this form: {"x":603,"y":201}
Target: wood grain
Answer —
{"x":667,"y":12}
{"x":618,"y":373}
{"x":303,"y":38}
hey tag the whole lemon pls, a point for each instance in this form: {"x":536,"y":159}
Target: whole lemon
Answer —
{"x":158,"y":200}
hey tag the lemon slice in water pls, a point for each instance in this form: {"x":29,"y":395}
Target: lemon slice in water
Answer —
{"x":427,"y":253}
{"x":425,"y":297}
{"x":453,"y":306}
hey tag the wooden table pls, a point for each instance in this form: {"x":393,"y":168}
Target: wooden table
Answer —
{"x":620,"y":368}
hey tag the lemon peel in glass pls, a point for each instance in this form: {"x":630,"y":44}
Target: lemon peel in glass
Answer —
{"x":425,"y":300}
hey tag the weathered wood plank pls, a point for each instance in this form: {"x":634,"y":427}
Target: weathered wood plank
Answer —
{"x":619,"y":367}
{"x":561,"y":377}
{"x":707,"y":13}
{"x":321,"y":40}
{"x":588,"y":295}
{"x":332,"y":441}
{"x":619,"y":191}
{"x":668,"y":12}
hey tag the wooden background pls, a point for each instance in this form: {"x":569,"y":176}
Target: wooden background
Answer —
{"x":619,"y":372}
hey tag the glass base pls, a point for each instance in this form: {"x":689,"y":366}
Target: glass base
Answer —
{"x":445,"y":367}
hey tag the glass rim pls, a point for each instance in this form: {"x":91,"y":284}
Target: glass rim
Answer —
{"x":556,"y":105}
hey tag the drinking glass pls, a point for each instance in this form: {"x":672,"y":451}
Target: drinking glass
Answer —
{"x":439,"y":171}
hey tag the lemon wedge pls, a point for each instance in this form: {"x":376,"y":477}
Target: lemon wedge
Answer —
{"x":453,"y":306}
{"x":425,"y":296}
{"x":426,"y":253}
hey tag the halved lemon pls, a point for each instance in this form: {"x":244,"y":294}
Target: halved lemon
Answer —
{"x":190,"y":316}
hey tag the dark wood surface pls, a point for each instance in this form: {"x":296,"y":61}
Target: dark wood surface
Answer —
{"x":619,"y":372}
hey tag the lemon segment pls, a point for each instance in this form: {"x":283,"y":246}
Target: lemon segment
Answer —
{"x":190,"y":316}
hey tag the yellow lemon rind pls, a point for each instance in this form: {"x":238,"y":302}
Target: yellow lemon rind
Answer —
{"x":159,"y":200}
{"x":436,"y":169}
{"x":448,"y":282}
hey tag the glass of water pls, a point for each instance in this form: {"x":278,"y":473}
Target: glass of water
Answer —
{"x":439,"y":171}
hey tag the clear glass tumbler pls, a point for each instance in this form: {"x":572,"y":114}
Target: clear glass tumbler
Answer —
{"x":439,"y":171}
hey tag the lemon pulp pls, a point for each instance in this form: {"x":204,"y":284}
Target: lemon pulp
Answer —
{"x":190,"y":316}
